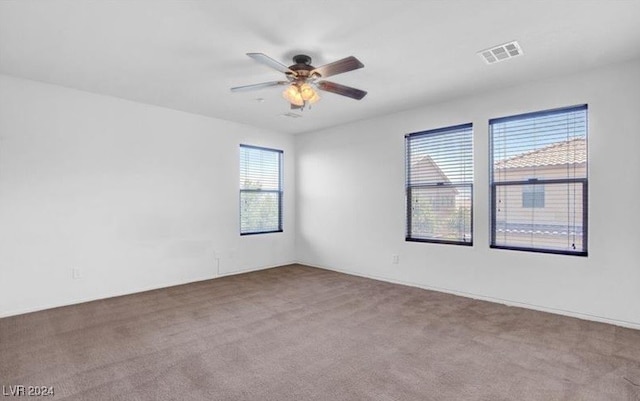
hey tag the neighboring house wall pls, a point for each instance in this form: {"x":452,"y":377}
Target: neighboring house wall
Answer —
{"x":559,"y":218}
{"x":542,"y":215}
{"x":553,"y":210}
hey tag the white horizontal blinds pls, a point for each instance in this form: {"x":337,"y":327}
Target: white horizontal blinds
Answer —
{"x":260,"y":190}
{"x":539,"y":181}
{"x":440,"y":185}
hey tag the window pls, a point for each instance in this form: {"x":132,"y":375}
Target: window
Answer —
{"x":260,"y":190}
{"x":439,"y":186}
{"x":539,"y":181}
{"x":533,"y":196}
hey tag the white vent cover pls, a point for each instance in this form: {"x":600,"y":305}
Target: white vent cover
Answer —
{"x":291,"y":115}
{"x":501,"y":52}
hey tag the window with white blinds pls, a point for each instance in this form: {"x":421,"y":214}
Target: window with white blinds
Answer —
{"x":439,"y":185}
{"x":260,"y":190}
{"x":539,"y":181}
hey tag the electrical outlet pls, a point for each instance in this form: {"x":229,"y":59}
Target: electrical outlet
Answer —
{"x":76,"y":273}
{"x":395,"y":259}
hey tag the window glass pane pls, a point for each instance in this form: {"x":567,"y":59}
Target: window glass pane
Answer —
{"x":539,"y":180}
{"x":259,"y":168}
{"x":441,"y":213}
{"x":556,"y":226}
{"x":441,"y":157}
{"x":439,"y":185}
{"x":260,"y":212}
{"x":260,"y":190}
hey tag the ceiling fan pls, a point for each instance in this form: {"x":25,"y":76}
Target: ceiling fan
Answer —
{"x":302,"y":79}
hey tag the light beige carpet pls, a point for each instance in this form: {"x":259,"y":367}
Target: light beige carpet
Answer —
{"x":299,"y":333}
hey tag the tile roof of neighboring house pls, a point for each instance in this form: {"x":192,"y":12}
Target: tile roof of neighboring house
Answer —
{"x":573,"y":151}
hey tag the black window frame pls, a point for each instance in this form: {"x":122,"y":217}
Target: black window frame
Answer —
{"x":584,"y":182}
{"x":409,"y":187}
{"x":279,"y":191}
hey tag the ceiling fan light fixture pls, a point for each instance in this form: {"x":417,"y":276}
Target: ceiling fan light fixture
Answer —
{"x":293,"y":95}
{"x":300,"y":94}
{"x":302,"y":79}
{"x":306,"y":91}
{"x":309,"y":95}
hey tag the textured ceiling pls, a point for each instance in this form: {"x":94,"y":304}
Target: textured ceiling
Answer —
{"x":185,"y":55}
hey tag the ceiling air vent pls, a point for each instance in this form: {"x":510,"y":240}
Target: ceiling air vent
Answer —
{"x":291,"y":115}
{"x":501,"y":52}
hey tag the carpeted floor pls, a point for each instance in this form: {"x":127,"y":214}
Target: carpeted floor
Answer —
{"x":299,"y":333}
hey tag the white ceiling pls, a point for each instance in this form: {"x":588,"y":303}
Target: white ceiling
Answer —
{"x":185,"y":55}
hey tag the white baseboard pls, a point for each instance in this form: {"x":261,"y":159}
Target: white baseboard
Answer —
{"x":578,"y":315}
{"x":253,"y":269}
{"x":75,"y":301}
{"x":82,"y":300}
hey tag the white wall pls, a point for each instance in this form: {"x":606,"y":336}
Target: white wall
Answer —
{"x":135,"y":196}
{"x":141,"y":197}
{"x":351,"y":211}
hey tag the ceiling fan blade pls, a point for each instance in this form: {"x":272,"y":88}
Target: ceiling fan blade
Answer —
{"x":343,"y":90}
{"x":338,"y":67}
{"x":258,"y":86}
{"x":269,"y":62}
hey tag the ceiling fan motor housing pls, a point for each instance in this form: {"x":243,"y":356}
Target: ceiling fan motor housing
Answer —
{"x":302,"y":65}
{"x":302,"y":59}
